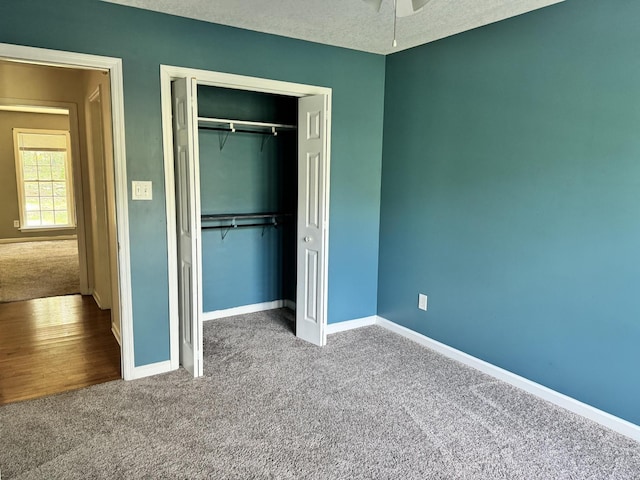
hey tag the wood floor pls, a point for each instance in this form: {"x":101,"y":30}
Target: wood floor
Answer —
{"x":51,"y":345}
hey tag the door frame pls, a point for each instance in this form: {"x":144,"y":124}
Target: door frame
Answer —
{"x":95,"y":199}
{"x":58,"y":58}
{"x":238,"y":82}
{"x":76,"y":164}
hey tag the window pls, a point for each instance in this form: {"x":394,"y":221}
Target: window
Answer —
{"x":43,"y":171}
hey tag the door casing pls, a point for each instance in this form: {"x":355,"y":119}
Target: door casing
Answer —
{"x":240,"y":82}
{"x":58,"y":58}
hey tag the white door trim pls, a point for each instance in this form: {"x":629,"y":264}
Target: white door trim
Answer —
{"x":239,"y":82}
{"x":44,"y":56}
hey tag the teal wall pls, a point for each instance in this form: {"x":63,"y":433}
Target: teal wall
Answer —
{"x":252,"y":173}
{"x":511,"y":196}
{"x":144,"y":40}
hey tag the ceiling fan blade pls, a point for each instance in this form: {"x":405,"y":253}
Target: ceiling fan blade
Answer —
{"x":418,"y":4}
{"x":406,"y":8}
{"x":374,"y":3}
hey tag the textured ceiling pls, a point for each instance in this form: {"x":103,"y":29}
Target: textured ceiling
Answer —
{"x":346,"y":23}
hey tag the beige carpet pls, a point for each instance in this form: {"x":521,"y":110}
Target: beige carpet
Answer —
{"x":38,"y":269}
{"x":370,"y":405}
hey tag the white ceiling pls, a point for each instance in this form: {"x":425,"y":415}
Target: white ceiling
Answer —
{"x":346,"y":23}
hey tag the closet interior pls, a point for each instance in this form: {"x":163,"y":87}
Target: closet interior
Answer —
{"x":248,"y":187}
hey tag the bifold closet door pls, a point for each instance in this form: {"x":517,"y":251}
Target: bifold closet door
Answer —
{"x":187,"y":178}
{"x":311,"y":240}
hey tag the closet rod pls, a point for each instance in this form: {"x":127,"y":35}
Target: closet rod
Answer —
{"x":205,"y":122}
{"x":237,"y":130}
{"x":239,"y":225}
{"x":232,"y":216}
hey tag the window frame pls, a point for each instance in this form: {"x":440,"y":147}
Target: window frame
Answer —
{"x":71,"y":209}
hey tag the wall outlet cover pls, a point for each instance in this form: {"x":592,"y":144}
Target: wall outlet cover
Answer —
{"x":16,"y":223}
{"x":422,"y":301}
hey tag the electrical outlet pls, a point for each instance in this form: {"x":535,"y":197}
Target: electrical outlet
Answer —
{"x":422,"y":301}
{"x":16,"y":223}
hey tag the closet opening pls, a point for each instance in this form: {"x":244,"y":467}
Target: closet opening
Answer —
{"x":247,"y":219}
{"x":248,"y":199}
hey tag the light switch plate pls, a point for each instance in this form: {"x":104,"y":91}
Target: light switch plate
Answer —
{"x":141,"y":190}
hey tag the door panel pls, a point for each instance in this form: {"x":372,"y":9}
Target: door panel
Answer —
{"x":311,"y":289}
{"x":188,"y":221}
{"x":313,"y":206}
{"x":311,"y":243}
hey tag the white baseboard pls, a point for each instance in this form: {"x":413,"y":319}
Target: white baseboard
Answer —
{"x":256,"y":307}
{"x":163,"y":367}
{"x":150,"y":370}
{"x":290,"y":304}
{"x":37,"y":239}
{"x":116,"y":334}
{"x":351,"y":324}
{"x":617,"y":424}
{"x":99,"y":302}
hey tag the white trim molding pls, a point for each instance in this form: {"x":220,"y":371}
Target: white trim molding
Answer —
{"x":57,"y":58}
{"x":150,"y":370}
{"x":244,"y":309}
{"x":605,"y":419}
{"x":38,"y":239}
{"x":351,"y":324}
{"x":98,"y":300}
{"x":116,"y":335}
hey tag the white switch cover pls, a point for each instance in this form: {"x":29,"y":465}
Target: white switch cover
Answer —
{"x":16,"y":223}
{"x":422,"y":301}
{"x":141,"y":190}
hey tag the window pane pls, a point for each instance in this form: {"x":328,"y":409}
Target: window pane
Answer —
{"x":44,"y":172}
{"x":44,"y":167}
{"x":62,"y":218}
{"x":46,"y":189}
{"x":46,"y":203}
{"x":47,"y":218}
{"x":57,"y":167}
{"x":30,"y":172}
{"x":59,"y":203}
{"x":44,"y":158}
{"x":32,"y":204}
{"x":59,"y":189}
{"x":58,"y":158}
{"x":33,"y":219}
{"x":31,"y":189}
{"x":29,"y":158}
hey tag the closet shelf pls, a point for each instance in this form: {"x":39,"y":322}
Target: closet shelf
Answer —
{"x":244,"y":126}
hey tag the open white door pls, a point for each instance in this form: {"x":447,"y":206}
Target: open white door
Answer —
{"x":187,"y":170}
{"x":311,"y":304}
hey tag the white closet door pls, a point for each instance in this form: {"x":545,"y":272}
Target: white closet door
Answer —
{"x":188,"y":212}
{"x":311,"y":243}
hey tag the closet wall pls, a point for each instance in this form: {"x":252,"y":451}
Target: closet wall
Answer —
{"x":247,"y":173}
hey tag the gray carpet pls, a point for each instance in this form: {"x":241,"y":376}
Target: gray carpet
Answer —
{"x":370,"y":405}
{"x":38,"y":269}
